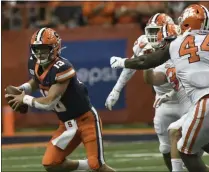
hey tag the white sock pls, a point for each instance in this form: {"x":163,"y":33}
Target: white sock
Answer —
{"x":83,"y":165}
{"x":177,"y":165}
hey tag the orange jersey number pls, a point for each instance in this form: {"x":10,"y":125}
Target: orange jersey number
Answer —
{"x":171,"y":74}
{"x":188,"y":47}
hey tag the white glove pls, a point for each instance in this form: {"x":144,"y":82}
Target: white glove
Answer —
{"x":164,"y":98}
{"x":117,"y":62}
{"x":112,"y":99}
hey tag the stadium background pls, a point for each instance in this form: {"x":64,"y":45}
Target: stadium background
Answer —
{"x":90,"y":41}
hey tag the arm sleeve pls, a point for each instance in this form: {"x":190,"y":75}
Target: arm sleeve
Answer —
{"x":148,"y":60}
{"x":125,"y":76}
{"x":64,"y":73}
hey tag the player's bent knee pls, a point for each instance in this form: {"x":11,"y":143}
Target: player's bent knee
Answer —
{"x":94,"y":163}
{"x":174,"y":134}
{"x":51,"y":162}
{"x":164,"y":148}
{"x":48,"y":168}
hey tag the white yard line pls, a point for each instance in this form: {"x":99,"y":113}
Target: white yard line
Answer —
{"x":119,"y":154}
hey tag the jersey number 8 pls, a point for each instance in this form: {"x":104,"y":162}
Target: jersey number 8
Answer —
{"x":188,"y":47}
{"x":60,"y":107}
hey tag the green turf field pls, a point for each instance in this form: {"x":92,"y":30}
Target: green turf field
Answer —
{"x":134,"y":156}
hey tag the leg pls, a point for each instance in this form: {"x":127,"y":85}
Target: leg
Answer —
{"x":91,"y":134}
{"x":163,"y":118}
{"x":206,"y":148}
{"x":193,"y":162}
{"x":177,"y":163}
{"x":174,"y":130}
{"x":194,"y":136}
{"x":54,"y":159}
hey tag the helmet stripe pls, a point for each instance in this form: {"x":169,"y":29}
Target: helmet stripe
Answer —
{"x":165,"y":33}
{"x":40,"y":33}
{"x":154,"y":19}
{"x":206,"y":13}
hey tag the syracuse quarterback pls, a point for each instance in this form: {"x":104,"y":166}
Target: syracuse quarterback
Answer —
{"x":64,"y":94}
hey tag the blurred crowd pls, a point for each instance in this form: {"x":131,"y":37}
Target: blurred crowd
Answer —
{"x":18,"y":15}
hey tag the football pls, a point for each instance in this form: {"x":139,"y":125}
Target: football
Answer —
{"x":15,"y":91}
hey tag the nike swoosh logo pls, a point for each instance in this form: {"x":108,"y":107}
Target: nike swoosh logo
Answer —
{"x":114,"y":62}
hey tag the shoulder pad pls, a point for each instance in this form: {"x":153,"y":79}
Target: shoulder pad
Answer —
{"x":64,"y":71}
{"x":139,"y":44}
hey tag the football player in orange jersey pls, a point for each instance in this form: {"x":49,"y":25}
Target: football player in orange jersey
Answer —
{"x":189,"y":53}
{"x":64,"y":94}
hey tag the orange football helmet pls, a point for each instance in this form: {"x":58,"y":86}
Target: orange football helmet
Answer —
{"x":168,"y":30}
{"x":167,"y":33}
{"x":45,"y":45}
{"x":194,"y":17}
{"x":153,"y":26}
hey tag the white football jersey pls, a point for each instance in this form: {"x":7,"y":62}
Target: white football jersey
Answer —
{"x":183,"y":99}
{"x":139,"y":45}
{"x":138,"y":50}
{"x":190,"y":55}
{"x":165,"y":88}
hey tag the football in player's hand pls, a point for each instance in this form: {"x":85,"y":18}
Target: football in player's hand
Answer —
{"x":13,"y":90}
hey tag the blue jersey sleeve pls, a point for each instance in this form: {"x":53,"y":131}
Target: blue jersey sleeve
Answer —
{"x":64,"y":71}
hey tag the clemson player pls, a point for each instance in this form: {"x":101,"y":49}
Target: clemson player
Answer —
{"x":190,"y":54}
{"x":64,"y":94}
{"x":166,"y":113}
{"x":169,"y":32}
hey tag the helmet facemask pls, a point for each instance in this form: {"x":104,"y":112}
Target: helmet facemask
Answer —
{"x":151,"y":34}
{"x":43,"y":52}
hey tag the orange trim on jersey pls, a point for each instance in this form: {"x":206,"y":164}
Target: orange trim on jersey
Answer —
{"x":190,"y":128}
{"x":63,"y":79}
{"x":64,"y":72}
{"x":155,"y":104}
{"x":43,"y":75}
{"x":199,"y":125}
{"x":44,"y":87}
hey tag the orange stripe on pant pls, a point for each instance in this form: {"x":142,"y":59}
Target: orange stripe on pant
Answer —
{"x":88,"y":133}
{"x":190,"y":128}
{"x":199,"y":125}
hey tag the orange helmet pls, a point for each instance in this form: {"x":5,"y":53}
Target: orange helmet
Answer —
{"x":153,"y":26}
{"x":45,"y":45}
{"x":194,"y":17}
{"x":167,"y":32}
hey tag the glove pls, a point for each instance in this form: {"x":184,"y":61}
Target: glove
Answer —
{"x":112,"y":99}
{"x":117,"y":62}
{"x":164,"y":98}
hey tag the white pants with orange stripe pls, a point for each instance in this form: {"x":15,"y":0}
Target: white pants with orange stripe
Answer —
{"x":195,"y":129}
{"x":165,"y":114}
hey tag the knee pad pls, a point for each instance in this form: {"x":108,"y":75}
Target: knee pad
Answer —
{"x":94,"y":163}
{"x":164,"y":148}
{"x":51,"y":161}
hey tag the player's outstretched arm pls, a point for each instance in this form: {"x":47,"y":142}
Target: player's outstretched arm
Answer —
{"x":148,"y":61}
{"x":124,"y":77}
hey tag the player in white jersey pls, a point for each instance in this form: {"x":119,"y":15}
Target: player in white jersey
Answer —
{"x":190,"y":55}
{"x":184,"y":102}
{"x":166,"y":75}
{"x":167,"y":112}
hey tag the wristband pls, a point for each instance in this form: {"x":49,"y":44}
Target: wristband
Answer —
{"x":28,"y":100}
{"x":26,"y":87}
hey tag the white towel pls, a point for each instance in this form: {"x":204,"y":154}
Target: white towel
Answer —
{"x":64,"y":139}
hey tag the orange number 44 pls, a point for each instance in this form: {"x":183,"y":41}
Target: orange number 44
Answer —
{"x":188,"y":47}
